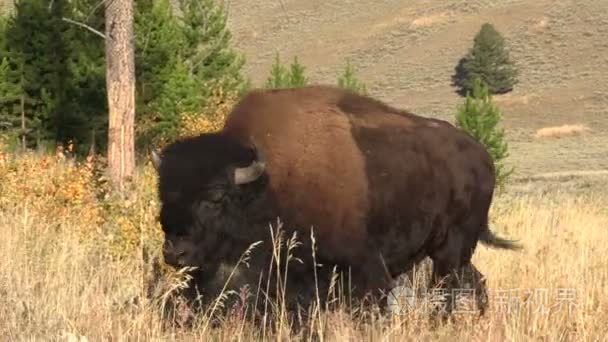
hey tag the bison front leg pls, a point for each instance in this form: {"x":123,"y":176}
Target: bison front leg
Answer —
{"x":443,"y":282}
{"x":373,"y":278}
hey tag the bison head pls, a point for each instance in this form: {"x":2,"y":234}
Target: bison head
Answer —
{"x":212,"y":191}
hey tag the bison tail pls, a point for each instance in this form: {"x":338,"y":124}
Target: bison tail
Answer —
{"x":492,"y":240}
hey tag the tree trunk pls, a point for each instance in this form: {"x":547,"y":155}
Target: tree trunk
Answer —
{"x":120,"y":81}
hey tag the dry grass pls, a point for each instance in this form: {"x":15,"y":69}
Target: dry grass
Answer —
{"x":561,"y":131}
{"x":56,"y":282}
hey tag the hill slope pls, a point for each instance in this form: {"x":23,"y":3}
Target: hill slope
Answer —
{"x":407,"y":53}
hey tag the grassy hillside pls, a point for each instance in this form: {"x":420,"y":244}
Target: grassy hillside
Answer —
{"x":406,"y":52}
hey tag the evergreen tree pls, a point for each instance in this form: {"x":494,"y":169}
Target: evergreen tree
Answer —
{"x":479,"y":117}
{"x":279,"y":75}
{"x":3,"y":28}
{"x":348,"y":80}
{"x":181,"y":59}
{"x":296,"y":76}
{"x":488,"y":60}
{"x":10,"y":90}
{"x":157,"y":44}
{"x":283,"y":77}
{"x":36,"y":51}
{"x":86,"y":120}
{"x":207,"y":51}
{"x":179,"y":94}
{"x":57,"y":69}
{"x":10,"y":95}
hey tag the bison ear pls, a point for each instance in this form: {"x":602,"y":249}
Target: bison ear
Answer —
{"x":156,"y":159}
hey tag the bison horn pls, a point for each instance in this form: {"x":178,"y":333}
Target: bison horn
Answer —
{"x":156,"y":160}
{"x":248,"y":174}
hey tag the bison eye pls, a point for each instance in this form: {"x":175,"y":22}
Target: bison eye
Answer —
{"x":215,"y":194}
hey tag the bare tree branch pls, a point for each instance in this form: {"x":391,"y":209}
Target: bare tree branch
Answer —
{"x":85,"y":26}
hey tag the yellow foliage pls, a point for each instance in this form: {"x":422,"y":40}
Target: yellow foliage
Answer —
{"x":74,"y":197}
{"x":213,"y":118}
{"x":54,"y":185}
{"x":74,"y":194}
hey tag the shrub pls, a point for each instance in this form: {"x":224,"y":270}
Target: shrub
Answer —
{"x":213,"y":118}
{"x":70,"y":193}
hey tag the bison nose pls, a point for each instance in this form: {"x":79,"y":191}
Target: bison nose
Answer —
{"x":174,"y":259}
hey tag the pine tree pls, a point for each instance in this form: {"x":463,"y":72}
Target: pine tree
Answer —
{"x":86,"y":118}
{"x":35,"y":50}
{"x":282,"y":77}
{"x":10,"y":94}
{"x":207,"y":51}
{"x":181,"y":60}
{"x":178,"y":95}
{"x":10,"y":90}
{"x":479,"y":117}
{"x":348,"y":80}
{"x":488,"y":60}
{"x":58,"y":70}
{"x":158,"y":42}
{"x":279,"y":75}
{"x":296,"y":76}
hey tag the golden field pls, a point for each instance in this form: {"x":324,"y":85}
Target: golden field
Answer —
{"x":71,"y":267}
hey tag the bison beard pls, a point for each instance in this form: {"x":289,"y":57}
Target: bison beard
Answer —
{"x":382,"y":189}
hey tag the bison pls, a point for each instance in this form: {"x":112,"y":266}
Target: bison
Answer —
{"x":380,"y":188}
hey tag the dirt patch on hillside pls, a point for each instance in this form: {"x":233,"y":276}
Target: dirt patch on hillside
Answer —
{"x":561,"y":131}
{"x":430,"y":20}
